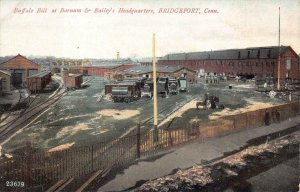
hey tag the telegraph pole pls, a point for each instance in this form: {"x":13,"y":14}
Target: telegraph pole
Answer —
{"x":278,"y":66}
{"x":154,"y":91}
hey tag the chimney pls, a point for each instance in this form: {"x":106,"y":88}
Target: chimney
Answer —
{"x":65,"y":73}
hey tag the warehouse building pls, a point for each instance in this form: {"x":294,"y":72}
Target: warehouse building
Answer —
{"x":102,"y":71}
{"x":38,"y":81}
{"x":259,"y":62}
{"x":147,"y":61}
{"x":102,"y":67}
{"x":5,"y":81}
{"x":21,"y":68}
{"x":161,"y":71}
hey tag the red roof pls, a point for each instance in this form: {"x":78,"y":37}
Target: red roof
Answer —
{"x":19,"y":62}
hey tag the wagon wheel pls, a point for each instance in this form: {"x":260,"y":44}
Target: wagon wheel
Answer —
{"x":126,"y":100}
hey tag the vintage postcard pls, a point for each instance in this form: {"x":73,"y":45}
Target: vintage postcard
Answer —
{"x":165,"y":95}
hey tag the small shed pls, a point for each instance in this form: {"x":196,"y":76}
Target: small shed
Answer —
{"x":72,"y":80}
{"x":5,"y":83}
{"x":38,"y":81}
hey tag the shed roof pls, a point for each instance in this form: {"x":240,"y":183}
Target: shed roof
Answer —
{"x":247,"y":53}
{"x":103,"y":66}
{"x":148,"y":69}
{"x":110,"y":62}
{"x":75,"y":75}
{"x":146,"y":59}
{"x":40,"y":74}
{"x":5,"y":72}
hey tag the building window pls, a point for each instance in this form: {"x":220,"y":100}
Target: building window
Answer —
{"x":288,"y":64}
{"x":273,"y":63}
{"x":239,"y":54}
{"x":258,"y":54}
{"x":269,"y":53}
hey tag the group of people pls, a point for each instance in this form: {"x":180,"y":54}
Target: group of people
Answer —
{"x":274,"y":116}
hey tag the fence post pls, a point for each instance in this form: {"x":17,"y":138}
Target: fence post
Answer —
{"x":92,"y":157}
{"x":170,"y":137}
{"x":28,"y":162}
{"x":248,"y":122}
{"x":234,"y":123}
{"x":138,"y":141}
{"x":198,"y":129}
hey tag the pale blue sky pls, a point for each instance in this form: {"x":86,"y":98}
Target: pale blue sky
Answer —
{"x":238,"y":24}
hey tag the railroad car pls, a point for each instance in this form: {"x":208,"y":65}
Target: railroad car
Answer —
{"x":173,"y":86}
{"x":147,"y":89}
{"x":162,"y":86}
{"x":183,"y":84}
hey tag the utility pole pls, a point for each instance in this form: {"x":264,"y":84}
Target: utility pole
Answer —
{"x":156,"y":138}
{"x":278,"y":66}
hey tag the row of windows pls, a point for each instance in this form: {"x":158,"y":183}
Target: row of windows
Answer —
{"x":249,"y":63}
{"x":257,"y":64}
{"x":257,"y":54}
{"x":234,"y":73}
{"x":221,"y":62}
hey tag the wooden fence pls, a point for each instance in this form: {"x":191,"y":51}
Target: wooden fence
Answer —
{"x":47,"y":167}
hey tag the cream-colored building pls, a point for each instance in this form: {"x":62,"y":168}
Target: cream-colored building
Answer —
{"x":161,"y":71}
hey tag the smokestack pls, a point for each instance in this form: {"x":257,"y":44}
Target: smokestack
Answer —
{"x":65,"y":73}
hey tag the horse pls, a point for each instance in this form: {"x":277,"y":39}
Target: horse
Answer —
{"x":199,"y":103}
{"x":206,"y":103}
{"x":209,"y":102}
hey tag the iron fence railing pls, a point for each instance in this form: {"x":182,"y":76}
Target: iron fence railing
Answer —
{"x":40,"y":168}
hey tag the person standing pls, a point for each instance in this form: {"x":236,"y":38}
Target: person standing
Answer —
{"x":273,"y":114}
{"x":267,"y":118}
{"x":277,"y":116}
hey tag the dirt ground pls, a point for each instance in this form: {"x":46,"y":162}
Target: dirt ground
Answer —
{"x":251,"y":106}
{"x":61,"y":147}
{"x":119,"y":114}
{"x":78,"y":117}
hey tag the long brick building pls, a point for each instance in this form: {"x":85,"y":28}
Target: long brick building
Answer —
{"x":260,"y":62}
{"x":99,"y":70}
